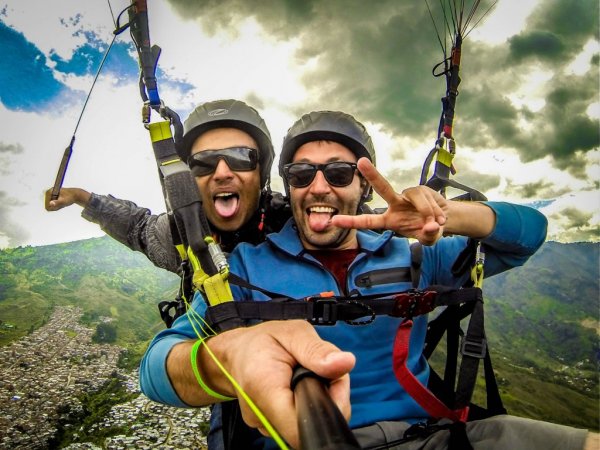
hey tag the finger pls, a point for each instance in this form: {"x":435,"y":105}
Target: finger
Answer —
{"x":52,"y":205}
{"x":425,"y":204}
{"x":430,"y":233}
{"x":438,"y":203}
{"x":363,"y":221}
{"x":320,"y":356}
{"x":429,"y":203}
{"x":47,"y":199}
{"x":276,"y":408}
{"x":55,"y":205}
{"x":376,"y":180}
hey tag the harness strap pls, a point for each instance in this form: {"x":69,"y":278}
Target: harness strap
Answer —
{"x":473,"y":348}
{"x":423,"y":396}
{"x":328,"y":310}
{"x":416,"y":260}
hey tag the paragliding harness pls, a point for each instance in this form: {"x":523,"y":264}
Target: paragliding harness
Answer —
{"x":444,"y":398}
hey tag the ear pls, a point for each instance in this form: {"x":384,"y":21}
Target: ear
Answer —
{"x":366,"y":189}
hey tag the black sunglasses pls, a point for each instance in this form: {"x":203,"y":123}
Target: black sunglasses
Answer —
{"x":239,"y":159}
{"x":337,"y":173}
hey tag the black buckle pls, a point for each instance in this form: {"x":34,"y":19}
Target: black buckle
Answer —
{"x":475,"y":348}
{"x":324,"y":311}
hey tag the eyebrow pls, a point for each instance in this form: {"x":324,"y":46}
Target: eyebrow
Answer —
{"x":332,"y":159}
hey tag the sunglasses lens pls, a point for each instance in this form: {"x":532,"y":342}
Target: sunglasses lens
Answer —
{"x":300,"y":175}
{"x":337,"y":174}
{"x":202,"y":165}
{"x":239,"y":159}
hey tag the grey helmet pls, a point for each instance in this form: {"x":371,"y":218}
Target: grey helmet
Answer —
{"x":229,"y":114}
{"x":333,"y":126}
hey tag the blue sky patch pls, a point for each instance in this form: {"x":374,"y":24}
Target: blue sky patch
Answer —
{"x":27,"y":83}
{"x":539,"y":204}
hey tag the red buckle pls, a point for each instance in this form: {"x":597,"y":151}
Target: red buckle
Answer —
{"x":413,"y":303}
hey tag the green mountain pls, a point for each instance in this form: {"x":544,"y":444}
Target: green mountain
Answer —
{"x":99,"y":275}
{"x":542,"y":324}
{"x":542,"y":319}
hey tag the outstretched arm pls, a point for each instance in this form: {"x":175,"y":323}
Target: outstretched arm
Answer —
{"x":124,"y":221}
{"x":261,"y":359}
{"x":419,"y":212}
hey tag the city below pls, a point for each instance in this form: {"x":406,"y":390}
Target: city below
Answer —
{"x":44,"y":375}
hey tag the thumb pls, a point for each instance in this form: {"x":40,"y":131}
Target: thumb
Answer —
{"x":323,"y":358}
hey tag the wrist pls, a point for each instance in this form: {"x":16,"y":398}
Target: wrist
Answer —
{"x":213,"y":363}
{"x":194,"y":359}
{"x":82,"y":197}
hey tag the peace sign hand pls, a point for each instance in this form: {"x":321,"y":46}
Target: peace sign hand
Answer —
{"x":418,"y":212}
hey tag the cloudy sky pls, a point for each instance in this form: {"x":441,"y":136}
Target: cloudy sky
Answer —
{"x":527,"y":119}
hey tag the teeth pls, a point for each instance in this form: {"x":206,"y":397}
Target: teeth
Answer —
{"x":224,"y":194}
{"x":322,"y":209}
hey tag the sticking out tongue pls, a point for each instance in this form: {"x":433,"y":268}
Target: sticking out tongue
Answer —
{"x":318,"y":221}
{"x":226,"y":206}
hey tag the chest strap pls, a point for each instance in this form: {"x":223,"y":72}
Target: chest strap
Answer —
{"x":325,"y":309}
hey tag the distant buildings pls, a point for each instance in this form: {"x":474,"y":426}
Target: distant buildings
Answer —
{"x":42,"y":374}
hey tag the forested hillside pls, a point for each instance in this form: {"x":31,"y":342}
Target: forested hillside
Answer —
{"x":100,"y":275}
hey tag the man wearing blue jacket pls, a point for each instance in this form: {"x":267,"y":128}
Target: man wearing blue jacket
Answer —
{"x":327,"y":163}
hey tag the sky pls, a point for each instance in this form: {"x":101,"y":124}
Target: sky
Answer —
{"x":527,"y":115}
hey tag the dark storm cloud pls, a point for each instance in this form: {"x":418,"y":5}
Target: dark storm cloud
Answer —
{"x":374,"y":60}
{"x":561,"y":129}
{"x":575,"y":218}
{"x":539,"y":189}
{"x":557,"y":30}
{"x":539,"y":44}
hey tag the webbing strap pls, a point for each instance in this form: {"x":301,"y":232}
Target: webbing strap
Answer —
{"x":423,"y":396}
{"x":473,"y":349}
{"x":327,"y":310}
{"x":445,"y":157}
{"x":217,"y":289}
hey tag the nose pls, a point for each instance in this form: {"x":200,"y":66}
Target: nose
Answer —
{"x":222,"y":171}
{"x":319,"y":185}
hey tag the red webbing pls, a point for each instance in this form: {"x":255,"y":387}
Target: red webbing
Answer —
{"x":423,"y":396}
